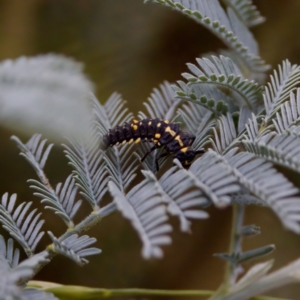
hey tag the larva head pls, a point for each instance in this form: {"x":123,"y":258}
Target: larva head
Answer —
{"x":187,"y":155}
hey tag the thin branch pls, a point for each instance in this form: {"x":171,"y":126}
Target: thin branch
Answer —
{"x":94,"y":218}
{"x":235,"y":248}
{"x":80,"y":292}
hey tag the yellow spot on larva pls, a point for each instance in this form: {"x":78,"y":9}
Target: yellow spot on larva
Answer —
{"x":158,"y":143}
{"x":177,"y":138}
{"x":117,"y":143}
{"x":149,"y":123}
{"x":138,"y":140}
{"x":130,"y":141}
{"x":135,"y":127}
{"x":157,"y":135}
{"x":166,"y":121}
{"x":158,"y":125}
{"x":155,"y":141}
{"x":169,"y":130}
{"x":141,"y":123}
{"x":183,"y":149}
{"x":124,"y":142}
{"x":135,"y":121}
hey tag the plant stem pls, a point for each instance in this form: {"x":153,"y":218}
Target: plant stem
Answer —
{"x":86,"y":224}
{"x":68,"y":292}
{"x":235,"y":246}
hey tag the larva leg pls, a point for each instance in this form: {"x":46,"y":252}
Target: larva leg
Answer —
{"x":158,"y":158}
{"x":152,"y":149}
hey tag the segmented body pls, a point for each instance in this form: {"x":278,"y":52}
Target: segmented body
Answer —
{"x":161,"y":132}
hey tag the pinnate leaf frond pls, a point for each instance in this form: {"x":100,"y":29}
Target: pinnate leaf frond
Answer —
{"x":48,"y":92}
{"x":146,"y":210}
{"x":162,"y":103}
{"x":213,"y":178}
{"x":89,"y":169}
{"x":33,"y":294}
{"x":111,"y":114}
{"x":280,"y":149}
{"x":224,"y":134}
{"x":261,"y":179}
{"x":120,"y":162}
{"x":33,"y":151}
{"x":222,"y":72}
{"x":199,"y":122}
{"x":209,"y":97}
{"x":11,"y":278}
{"x":277,"y":91}
{"x":288,"y":115}
{"x":121,"y":165}
{"x":246,"y":11}
{"x":24,"y":229}
{"x":253,"y":275}
{"x":183,"y":198}
{"x":61,"y":200}
{"x":74,"y":247}
{"x":10,"y":254}
{"x":226,"y":26}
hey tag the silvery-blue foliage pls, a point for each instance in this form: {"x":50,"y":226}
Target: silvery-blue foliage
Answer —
{"x":37,"y":90}
{"x":74,"y":247}
{"x":247,"y":128}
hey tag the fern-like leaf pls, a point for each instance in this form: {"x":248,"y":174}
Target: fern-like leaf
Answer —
{"x":33,"y":294}
{"x":61,"y":200}
{"x":74,"y":247}
{"x":225,"y":134}
{"x":10,"y":254}
{"x":281,"y":149}
{"x":255,"y":129}
{"x":253,"y":275}
{"x":288,"y":117}
{"x":11,"y":278}
{"x":226,"y":26}
{"x":223,"y":73}
{"x":207,"y":95}
{"x":48,"y":92}
{"x":184,"y":199}
{"x":146,"y":210}
{"x":246,"y":11}
{"x":283,"y":82}
{"x":89,"y":170}
{"x":162,"y":103}
{"x":33,"y":151}
{"x":212,"y":177}
{"x":265,"y":182}
{"x":111,"y":114}
{"x":25,"y":230}
{"x":199,"y":122}
{"x":121,"y":164}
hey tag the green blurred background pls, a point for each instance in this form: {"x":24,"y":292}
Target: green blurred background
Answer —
{"x":131,"y":47}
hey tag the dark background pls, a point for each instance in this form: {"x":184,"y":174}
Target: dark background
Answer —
{"x":131,"y":47}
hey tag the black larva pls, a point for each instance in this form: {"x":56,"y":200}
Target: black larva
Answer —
{"x":158,"y":131}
